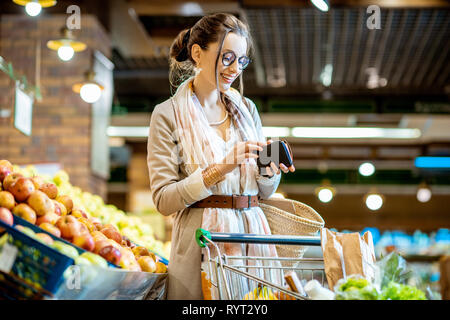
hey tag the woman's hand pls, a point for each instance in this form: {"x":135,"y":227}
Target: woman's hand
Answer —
{"x":240,"y":152}
{"x":272,"y":169}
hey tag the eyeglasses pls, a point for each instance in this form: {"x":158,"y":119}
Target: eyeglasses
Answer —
{"x":229,"y":57}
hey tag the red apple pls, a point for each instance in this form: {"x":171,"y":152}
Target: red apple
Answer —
{"x":50,"y":189}
{"x":7,"y":217}
{"x":111,"y":254}
{"x":84,"y":241}
{"x":22,"y":189}
{"x":7,"y":200}
{"x":49,"y":217}
{"x":78,"y":213}
{"x":4,"y":172}
{"x":45,"y":238}
{"x":60,"y":209}
{"x":69,"y":227}
{"x":38,"y":181}
{"x":66,"y":201}
{"x":50,"y":228}
{"x":113,"y":234}
{"x":25,"y":212}
{"x":99,"y":244}
{"x":41,"y":203}
{"x":10,"y":179}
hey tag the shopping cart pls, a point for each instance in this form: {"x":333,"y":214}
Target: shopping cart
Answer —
{"x":235,"y":277}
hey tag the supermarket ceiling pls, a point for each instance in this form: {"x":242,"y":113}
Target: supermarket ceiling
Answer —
{"x":296,"y":44}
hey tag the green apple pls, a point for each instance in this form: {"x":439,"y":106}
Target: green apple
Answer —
{"x":94,"y":259}
{"x":80,"y":260}
{"x":65,"y":249}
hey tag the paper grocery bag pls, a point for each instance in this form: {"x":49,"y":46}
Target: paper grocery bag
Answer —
{"x":345,"y":254}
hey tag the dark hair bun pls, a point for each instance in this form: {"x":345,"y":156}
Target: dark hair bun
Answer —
{"x":179,"y":49}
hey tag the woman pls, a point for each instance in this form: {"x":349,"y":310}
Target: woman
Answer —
{"x":203,"y":142}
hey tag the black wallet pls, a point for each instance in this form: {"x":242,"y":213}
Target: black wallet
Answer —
{"x":277,"y":152}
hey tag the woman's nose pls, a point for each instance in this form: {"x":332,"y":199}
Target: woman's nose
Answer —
{"x":234,"y":66}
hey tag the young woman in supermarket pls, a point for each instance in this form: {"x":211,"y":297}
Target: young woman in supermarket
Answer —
{"x":202,"y":146}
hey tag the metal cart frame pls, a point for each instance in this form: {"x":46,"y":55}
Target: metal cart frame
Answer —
{"x":225,"y":273}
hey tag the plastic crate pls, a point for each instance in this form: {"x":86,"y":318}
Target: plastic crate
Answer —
{"x":36,"y":262}
{"x":14,"y":288}
{"x":37,"y":229}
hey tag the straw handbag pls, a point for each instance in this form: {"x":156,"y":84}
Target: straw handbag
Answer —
{"x":290,"y":217}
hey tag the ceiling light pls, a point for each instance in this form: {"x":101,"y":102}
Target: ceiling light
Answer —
{"x":326,"y":74}
{"x":34,"y":7}
{"x":423,"y":193}
{"x":366,"y":169}
{"x":276,"y":131}
{"x":374,"y":200}
{"x":322,"y":5}
{"x":65,"y":53}
{"x":89,"y":90}
{"x":355,"y":133}
{"x":128,"y":132}
{"x":432,"y":162}
{"x":325,"y":192}
{"x":67,"y":45}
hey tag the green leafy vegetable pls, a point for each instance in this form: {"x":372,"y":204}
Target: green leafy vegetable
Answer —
{"x":355,"y":288}
{"x":397,"y":291}
{"x":392,"y":268}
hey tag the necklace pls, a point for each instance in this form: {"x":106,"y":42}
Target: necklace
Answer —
{"x":210,"y":123}
{"x":220,"y":122}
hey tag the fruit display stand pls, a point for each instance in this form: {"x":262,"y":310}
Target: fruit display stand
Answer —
{"x":97,"y":283}
{"x":56,"y":237}
{"x":38,"y":267}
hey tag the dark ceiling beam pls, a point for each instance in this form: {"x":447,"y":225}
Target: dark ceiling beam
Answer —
{"x":439,"y":64}
{"x":425,"y":65}
{"x":356,"y":46}
{"x":317,"y":48}
{"x":383,"y":44}
{"x":405,"y":61}
{"x":305,"y":66}
{"x":350,"y":3}
{"x":341,"y":61}
{"x":367,"y":53}
{"x":292,"y":41}
{"x":388,"y":65}
{"x":257,"y":63}
{"x":418,"y":53}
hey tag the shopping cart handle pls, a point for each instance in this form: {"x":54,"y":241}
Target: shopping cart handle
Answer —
{"x":255,"y":238}
{"x":200,"y":235}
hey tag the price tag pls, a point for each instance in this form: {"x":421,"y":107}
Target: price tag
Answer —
{"x":7,"y":257}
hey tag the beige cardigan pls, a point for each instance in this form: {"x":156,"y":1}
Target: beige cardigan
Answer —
{"x":173,"y":191}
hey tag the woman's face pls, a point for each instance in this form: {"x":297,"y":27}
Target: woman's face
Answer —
{"x":233,"y":44}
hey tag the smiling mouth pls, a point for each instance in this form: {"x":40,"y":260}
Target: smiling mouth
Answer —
{"x":227,"y":79}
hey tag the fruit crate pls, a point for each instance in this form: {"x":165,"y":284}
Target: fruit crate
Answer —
{"x":36,"y":262}
{"x":14,"y":288}
{"x":37,"y":229}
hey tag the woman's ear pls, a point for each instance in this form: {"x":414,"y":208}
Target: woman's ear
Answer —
{"x":196,"y":52}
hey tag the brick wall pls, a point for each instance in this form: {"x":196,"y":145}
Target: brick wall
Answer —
{"x":61,"y":128}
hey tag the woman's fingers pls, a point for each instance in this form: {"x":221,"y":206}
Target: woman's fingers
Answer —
{"x":274,"y":168}
{"x":284,"y":168}
{"x":269,"y":171}
{"x":292,"y":168}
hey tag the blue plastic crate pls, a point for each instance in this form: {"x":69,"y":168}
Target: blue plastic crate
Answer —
{"x":37,"y":229}
{"x":36,"y":262}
